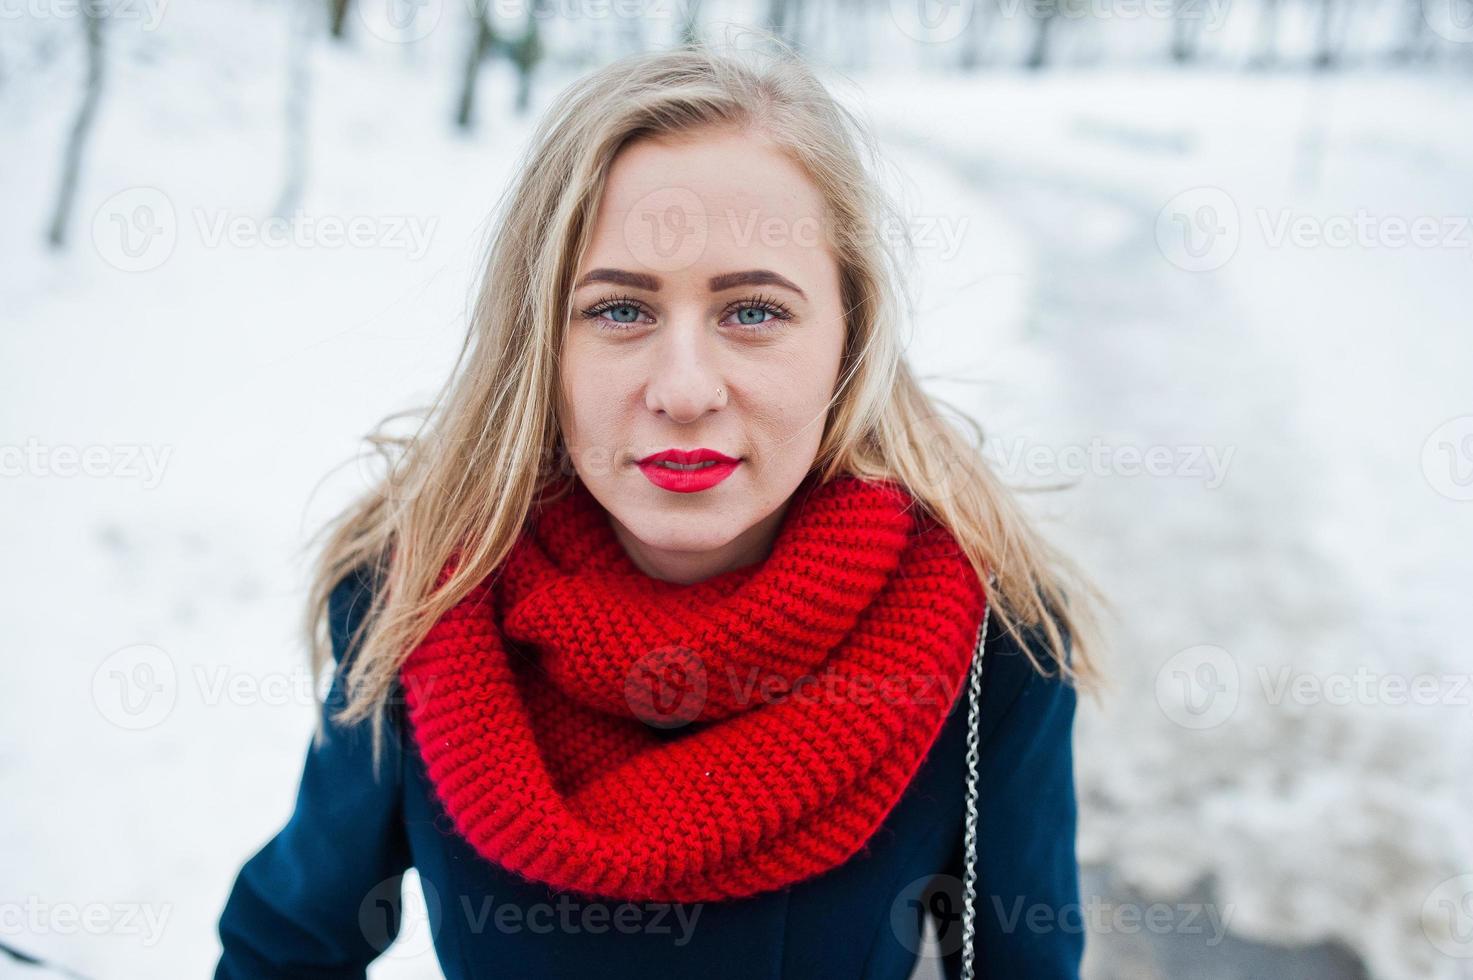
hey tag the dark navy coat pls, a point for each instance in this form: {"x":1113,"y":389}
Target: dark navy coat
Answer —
{"x":321,"y":898}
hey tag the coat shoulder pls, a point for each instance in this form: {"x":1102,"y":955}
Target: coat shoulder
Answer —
{"x":1007,"y":672}
{"x":347,"y":605}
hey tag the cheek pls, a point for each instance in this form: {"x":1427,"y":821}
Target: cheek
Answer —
{"x":795,"y":390}
{"x":579,"y":395}
{"x":599,"y":403}
{"x":816,"y":368}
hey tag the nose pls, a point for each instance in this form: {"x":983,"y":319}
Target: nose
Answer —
{"x":684,"y":377}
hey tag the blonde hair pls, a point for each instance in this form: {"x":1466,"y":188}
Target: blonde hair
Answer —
{"x":487,"y":449}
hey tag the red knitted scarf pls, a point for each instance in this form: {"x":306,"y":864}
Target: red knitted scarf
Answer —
{"x":614,"y":735}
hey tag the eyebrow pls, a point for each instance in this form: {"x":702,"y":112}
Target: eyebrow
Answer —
{"x":640,"y":280}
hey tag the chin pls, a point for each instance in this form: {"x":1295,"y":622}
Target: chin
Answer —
{"x":670,"y":529}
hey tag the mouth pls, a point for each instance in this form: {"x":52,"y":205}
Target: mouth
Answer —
{"x":687,"y":470}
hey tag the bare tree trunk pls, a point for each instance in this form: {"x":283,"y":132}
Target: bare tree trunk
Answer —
{"x":81,"y":126}
{"x":1268,"y":30}
{"x":628,"y":35}
{"x":339,"y":12}
{"x":1185,"y":31}
{"x":1044,"y":19}
{"x":300,"y":20}
{"x":1327,"y":51}
{"x":976,"y":35}
{"x":777,"y":17}
{"x":1414,"y":44}
{"x":480,"y":45}
{"x":690,"y":22}
{"x":527,"y":54}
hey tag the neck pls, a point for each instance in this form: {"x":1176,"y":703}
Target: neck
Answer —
{"x":686,"y":567}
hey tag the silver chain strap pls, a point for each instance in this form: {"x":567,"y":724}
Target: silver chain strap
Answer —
{"x":969,"y":876}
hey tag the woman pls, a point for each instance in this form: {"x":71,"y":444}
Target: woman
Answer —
{"x":651,"y":652}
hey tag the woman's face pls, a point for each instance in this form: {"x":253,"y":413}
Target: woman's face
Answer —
{"x":706,"y":315}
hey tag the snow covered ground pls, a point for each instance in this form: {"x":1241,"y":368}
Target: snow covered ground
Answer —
{"x":170,"y":404}
{"x":1299,"y":561}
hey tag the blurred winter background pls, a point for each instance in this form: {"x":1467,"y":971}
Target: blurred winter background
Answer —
{"x":1208,"y":265}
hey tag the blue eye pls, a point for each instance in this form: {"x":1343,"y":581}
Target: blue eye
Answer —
{"x":757,"y":314}
{"x":619,"y":311}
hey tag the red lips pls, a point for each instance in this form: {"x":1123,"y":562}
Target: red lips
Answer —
{"x":693,"y":470}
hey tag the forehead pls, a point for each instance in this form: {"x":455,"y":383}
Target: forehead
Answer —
{"x":706,"y":200}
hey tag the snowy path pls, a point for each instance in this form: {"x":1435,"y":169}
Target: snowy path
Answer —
{"x":1291,"y":819}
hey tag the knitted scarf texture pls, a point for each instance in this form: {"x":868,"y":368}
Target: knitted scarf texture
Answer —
{"x":616,"y":736}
